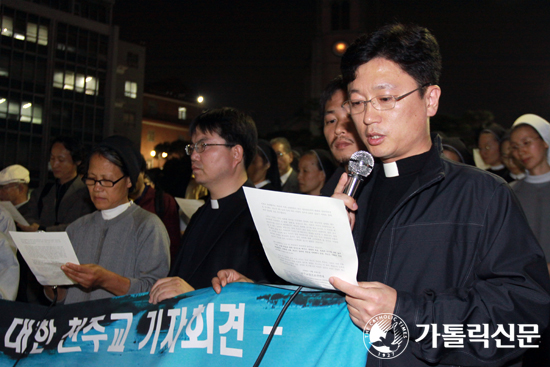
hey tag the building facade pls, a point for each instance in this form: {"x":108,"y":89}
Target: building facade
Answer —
{"x":61,"y":74}
{"x":165,"y":119}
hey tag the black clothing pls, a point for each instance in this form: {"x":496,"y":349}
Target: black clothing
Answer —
{"x":223,"y":238}
{"x":388,"y":191}
{"x":458,"y":250}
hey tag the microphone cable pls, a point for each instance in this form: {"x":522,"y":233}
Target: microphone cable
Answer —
{"x":36,"y":327}
{"x":274,"y":328}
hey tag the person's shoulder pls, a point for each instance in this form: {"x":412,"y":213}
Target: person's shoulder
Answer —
{"x":84,"y":220}
{"x":471,"y":174}
{"x":144,"y":217}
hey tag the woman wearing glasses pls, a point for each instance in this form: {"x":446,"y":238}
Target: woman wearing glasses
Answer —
{"x":123,"y":249}
{"x":530,"y":139}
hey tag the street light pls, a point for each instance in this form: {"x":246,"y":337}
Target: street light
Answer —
{"x":200,"y":99}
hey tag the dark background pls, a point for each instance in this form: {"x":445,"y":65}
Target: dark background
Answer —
{"x":256,"y":55}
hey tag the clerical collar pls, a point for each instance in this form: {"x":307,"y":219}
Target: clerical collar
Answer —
{"x":109,"y":214}
{"x":497,"y":168}
{"x":259,"y":185}
{"x":538,"y":179}
{"x":214,"y":204}
{"x":405,"y":166}
{"x":391,"y":169}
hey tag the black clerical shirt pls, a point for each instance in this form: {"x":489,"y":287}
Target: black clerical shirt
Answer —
{"x":386,"y":194}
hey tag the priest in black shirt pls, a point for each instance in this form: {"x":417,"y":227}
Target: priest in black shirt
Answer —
{"x":221,"y":234}
{"x":439,"y":243}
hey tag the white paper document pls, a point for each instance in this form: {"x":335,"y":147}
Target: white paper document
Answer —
{"x":189,"y":206}
{"x":45,"y":252}
{"x":307,"y":239}
{"x":14,"y":212}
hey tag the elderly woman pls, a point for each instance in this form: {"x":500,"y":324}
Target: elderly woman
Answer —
{"x":530,"y":138}
{"x":264,"y":171}
{"x":124,"y":249}
{"x":314,"y":169}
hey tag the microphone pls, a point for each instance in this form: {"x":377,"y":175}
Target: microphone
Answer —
{"x":360,"y":166}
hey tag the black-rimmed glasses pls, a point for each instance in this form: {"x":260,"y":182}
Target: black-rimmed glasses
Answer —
{"x":104,"y":183}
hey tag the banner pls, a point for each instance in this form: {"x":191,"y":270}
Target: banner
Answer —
{"x":200,"y":328}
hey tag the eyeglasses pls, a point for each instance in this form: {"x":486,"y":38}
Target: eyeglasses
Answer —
{"x":524,"y":144}
{"x":200,"y":147}
{"x":380,"y":103}
{"x":104,"y":183}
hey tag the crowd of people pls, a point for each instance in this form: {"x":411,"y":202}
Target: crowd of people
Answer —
{"x":439,"y":240}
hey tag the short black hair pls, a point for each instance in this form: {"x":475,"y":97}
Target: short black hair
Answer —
{"x":73,"y":145}
{"x":411,"y":47}
{"x":326,"y":95}
{"x":232,"y":125}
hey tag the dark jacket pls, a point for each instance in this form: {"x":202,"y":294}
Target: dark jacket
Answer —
{"x":291,"y":184}
{"x":75,"y":203}
{"x":458,"y":250}
{"x":225,"y":238}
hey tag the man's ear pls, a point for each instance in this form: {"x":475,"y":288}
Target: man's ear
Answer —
{"x":433,"y":92}
{"x":238,"y":153}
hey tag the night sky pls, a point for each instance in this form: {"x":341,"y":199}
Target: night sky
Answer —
{"x":256,"y":55}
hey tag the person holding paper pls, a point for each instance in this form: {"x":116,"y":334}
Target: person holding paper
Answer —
{"x":221,"y":234}
{"x":14,"y":187}
{"x":9,"y":269}
{"x":123,"y":248}
{"x":438,"y":242}
{"x":56,"y":205}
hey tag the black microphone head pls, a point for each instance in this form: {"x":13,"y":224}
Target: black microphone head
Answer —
{"x":361,"y":163}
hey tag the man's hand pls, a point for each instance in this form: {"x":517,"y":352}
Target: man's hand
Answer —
{"x":366,"y":300}
{"x":31,"y":228}
{"x":349,"y":202}
{"x":168,"y":288}
{"x":226,"y":276}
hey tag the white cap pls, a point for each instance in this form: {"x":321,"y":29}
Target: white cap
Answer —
{"x":14,"y":173}
{"x":538,"y":123}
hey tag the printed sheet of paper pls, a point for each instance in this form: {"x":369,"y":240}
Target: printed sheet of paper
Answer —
{"x":307,"y":239}
{"x":14,"y":212}
{"x":189,"y":206}
{"x":45,"y":252}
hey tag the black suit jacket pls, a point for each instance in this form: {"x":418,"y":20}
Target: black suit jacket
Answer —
{"x":291,"y":184}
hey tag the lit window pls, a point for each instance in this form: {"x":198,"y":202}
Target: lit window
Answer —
{"x":37,"y":33}
{"x":182,"y":113}
{"x":82,"y":83}
{"x":91,"y":86}
{"x":7,"y":26}
{"x":68,"y":82}
{"x":130,"y":89}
